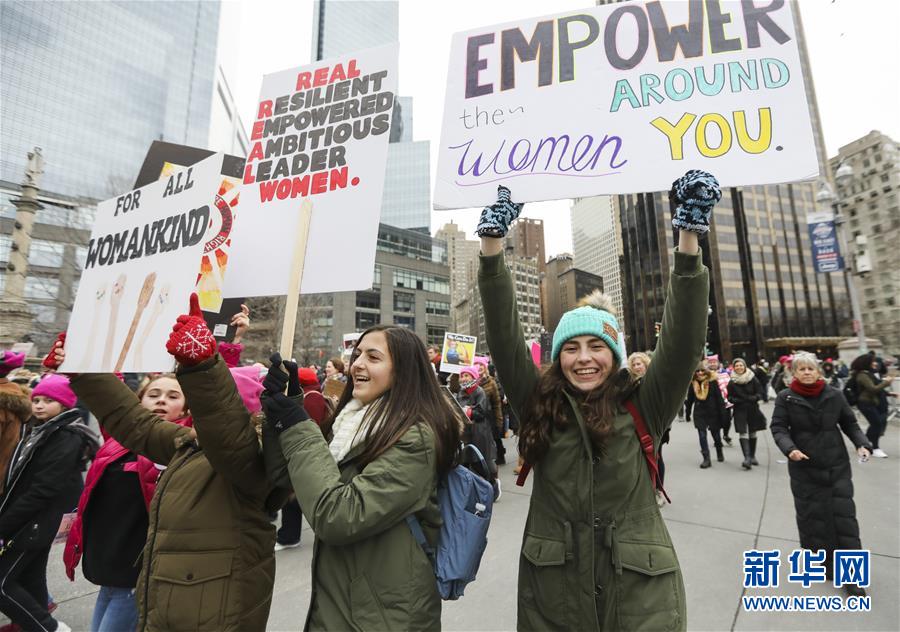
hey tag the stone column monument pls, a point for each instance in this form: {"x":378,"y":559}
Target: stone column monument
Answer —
{"x":15,"y":316}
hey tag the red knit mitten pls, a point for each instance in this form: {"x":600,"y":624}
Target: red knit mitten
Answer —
{"x":191,"y":342}
{"x":50,"y":360}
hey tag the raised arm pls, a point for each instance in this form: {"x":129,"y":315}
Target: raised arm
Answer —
{"x":120,"y":413}
{"x":223,"y":427}
{"x":683,"y":330}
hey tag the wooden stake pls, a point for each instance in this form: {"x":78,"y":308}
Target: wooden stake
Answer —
{"x":296,"y":277}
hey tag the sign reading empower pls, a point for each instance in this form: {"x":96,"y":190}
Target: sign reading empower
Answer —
{"x":625,"y":98}
{"x":318,"y":153}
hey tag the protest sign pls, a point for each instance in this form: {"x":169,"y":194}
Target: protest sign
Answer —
{"x":164,"y":160}
{"x":140,"y":269}
{"x":826,"y":251}
{"x":624,"y":98}
{"x":319,"y":143}
{"x":457,"y":353}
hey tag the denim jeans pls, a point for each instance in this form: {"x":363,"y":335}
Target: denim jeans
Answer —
{"x":115,"y":610}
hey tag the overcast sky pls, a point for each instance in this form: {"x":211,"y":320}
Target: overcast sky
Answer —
{"x":854,"y":47}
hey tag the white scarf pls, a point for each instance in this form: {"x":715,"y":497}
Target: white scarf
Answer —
{"x":348,"y":429}
{"x":742,"y":378}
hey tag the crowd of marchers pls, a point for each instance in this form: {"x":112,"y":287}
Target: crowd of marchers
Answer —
{"x":170,"y":508}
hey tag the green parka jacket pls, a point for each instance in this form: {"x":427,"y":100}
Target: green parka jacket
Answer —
{"x":368,"y":571}
{"x":208,"y":563}
{"x":596,"y":554}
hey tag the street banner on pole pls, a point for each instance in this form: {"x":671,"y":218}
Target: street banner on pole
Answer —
{"x":141,"y":267}
{"x":457,"y":353}
{"x":826,"y":250}
{"x":317,"y":157}
{"x":624,"y":98}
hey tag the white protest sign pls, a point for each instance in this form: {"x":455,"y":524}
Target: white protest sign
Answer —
{"x":141,"y":267}
{"x":457,"y":353}
{"x":624,"y":98}
{"x":321,"y":136}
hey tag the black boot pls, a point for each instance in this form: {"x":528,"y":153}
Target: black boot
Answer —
{"x":719,"y":456}
{"x":745,"y":447}
{"x":753,"y":460}
{"x":706,"y":462}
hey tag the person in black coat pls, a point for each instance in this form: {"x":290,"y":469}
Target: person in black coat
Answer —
{"x":706,"y":404}
{"x":43,"y":482}
{"x":805,"y":425}
{"x":745,"y":392}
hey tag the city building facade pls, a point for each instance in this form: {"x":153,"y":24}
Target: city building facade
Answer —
{"x":410,"y":288}
{"x":562,"y":286}
{"x":461,"y":252}
{"x":597,"y":243}
{"x":526,"y":239}
{"x":869,"y":204}
{"x":526,"y":279}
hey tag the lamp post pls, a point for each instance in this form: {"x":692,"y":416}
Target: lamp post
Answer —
{"x":844,"y":174}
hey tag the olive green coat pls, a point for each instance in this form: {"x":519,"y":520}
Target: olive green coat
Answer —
{"x":208,"y":563}
{"x":368,"y":571}
{"x":596,"y":553}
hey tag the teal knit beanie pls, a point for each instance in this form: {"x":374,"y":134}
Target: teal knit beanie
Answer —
{"x":593,"y":318}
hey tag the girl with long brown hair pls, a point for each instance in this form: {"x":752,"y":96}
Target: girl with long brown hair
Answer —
{"x":377,"y":460}
{"x":596,"y":553}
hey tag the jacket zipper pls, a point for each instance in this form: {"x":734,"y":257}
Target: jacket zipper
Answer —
{"x":159,"y":491}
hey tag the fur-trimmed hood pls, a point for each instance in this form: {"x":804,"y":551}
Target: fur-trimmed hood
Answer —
{"x":14,"y":400}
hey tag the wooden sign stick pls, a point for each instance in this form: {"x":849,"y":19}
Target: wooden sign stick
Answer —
{"x":143,"y":301}
{"x":296,"y":277}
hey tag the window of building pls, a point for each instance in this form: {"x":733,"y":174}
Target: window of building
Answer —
{"x":404,"y":302}
{"x":41,"y":287}
{"x":437,"y":308}
{"x":43,"y":313}
{"x":364,"y":320}
{"x":368,"y":300}
{"x":45,"y":253}
{"x":866,"y":162}
{"x":408,"y":322}
{"x":421,"y":281}
{"x":5,"y":243}
{"x":435,"y":335}
{"x":376,"y":277}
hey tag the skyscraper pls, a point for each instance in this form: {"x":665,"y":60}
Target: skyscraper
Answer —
{"x":869,"y":204}
{"x":460,"y":253}
{"x":765,"y":295}
{"x":597,"y":243}
{"x":341,"y":27}
{"x":93,"y":84}
{"x":526,"y":239}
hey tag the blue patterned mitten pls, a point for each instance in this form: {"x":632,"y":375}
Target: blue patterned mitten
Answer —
{"x":695,"y":194}
{"x":496,"y":218}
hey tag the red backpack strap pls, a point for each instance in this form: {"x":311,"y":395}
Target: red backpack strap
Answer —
{"x":646,"y":446}
{"x":523,"y":473}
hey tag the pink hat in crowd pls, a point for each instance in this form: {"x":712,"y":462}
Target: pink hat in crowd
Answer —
{"x":471,"y":370}
{"x":246,"y":378}
{"x":10,"y":361}
{"x":56,"y":387}
{"x":481,"y":360}
{"x":714,"y":357}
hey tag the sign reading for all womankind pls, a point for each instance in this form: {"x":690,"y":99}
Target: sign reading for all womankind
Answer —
{"x":321,"y":137}
{"x":624,"y":98}
{"x":141,"y":267}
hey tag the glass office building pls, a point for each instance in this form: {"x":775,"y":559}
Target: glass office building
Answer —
{"x":340,"y":27}
{"x":94,"y":83}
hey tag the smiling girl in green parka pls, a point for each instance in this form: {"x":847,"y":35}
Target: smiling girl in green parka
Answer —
{"x":595,"y":553}
{"x":378,"y":460}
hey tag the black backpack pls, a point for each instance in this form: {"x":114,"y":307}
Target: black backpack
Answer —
{"x":851,"y":391}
